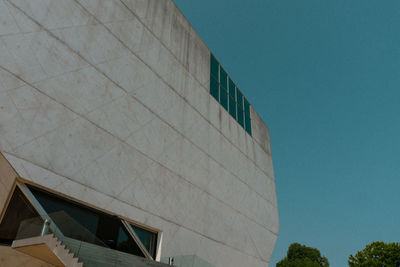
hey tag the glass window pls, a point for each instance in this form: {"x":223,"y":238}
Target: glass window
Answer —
{"x":214,"y":88}
{"x":87,"y":224}
{"x":72,"y":219}
{"x":223,"y":98}
{"x":246,"y":107}
{"x":247,"y":120}
{"x":239,"y":99}
{"x":126,"y":244}
{"x":214,"y":67}
{"x":248,"y":124}
{"x":240,"y":116}
{"x":148,"y":239}
{"x":232,"y":107}
{"x":229,"y":96}
{"x":240,"y":112}
{"x":19,"y":210}
{"x":223,"y":78}
{"x":232,"y":89}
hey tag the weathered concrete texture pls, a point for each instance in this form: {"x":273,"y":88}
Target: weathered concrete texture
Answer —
{"x":107,"y":101}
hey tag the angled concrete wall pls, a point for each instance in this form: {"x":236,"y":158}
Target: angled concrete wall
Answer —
{"x":107,"y":101}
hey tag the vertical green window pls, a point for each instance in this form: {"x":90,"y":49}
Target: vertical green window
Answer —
{"x":232,"y":99}
{"x":148,"y":239}
{"x":214,"y":88}
{"x":224,"y":90}
{"x":223,"y":78}
{"x":214,"y":67}
{"x":247,"y":119}
{"x":223,"y":97}
{"x":240,"y":110}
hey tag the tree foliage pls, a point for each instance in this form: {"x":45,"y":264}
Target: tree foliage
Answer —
{"x":302,"y":256}
{"x":377,"y":254}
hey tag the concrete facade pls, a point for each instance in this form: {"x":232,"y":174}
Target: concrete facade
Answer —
{"x":12,"y":257}
{"x":107,"y":102}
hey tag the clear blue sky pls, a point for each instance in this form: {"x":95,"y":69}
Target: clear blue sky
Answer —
{"x":325,"y":77}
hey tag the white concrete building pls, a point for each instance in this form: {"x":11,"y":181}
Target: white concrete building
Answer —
{"x":120,"y":128}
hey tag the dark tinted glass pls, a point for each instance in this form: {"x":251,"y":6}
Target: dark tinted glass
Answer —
{"x":246,"y":107}
{"x":232,"y":89}
{"x":239,"y":99}
{"x":232,"y":107}
{"x":18,"y":210}
{"x":223,"y":78}
{"x":148,"y":239}
{"x":214,"y":91}
{"x":223,"y":97}
{"x":247,"y":124}
{"x":83,"y":223}
{"x":247,"y":120}
{"x":229,"y":96}
{"x":126,"y":244}
{"x":240,"y":114}
{"x":67,"y":215}
{"x":240,"y":111}
{"x":214,"y":67}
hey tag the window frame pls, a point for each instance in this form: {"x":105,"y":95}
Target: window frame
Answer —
{"x":44,"y":215}
{"x":225,"y":102}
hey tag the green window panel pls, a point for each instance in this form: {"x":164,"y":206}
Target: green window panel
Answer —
{"x":240,"y":116}
{"x":240,"y":112}
{"x":247,"y":122}
{"x":214,"y":67}
{"x":223,"y":97}
{"x":224,"y":90}
{"x":239,"y":99}
{"x":232,"y":89}
{"x":223,"y":78}
{"x":232,"y":107}
{"x":214,"y":88}
{"x":246,"y":107}
{"x":83,"y":223}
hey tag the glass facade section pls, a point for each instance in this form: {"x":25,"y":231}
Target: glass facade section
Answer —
{"x":214,"y":88}
{"x":223,"y":89}
{"x":223,"y":78}
{"x":148,"y":238}
{"x":232,"y":89}
{"x":19,"y":209}
{"x":247,"y":120}
{"x":240,"y":117}
{"x":240,"y":108}
{"x":86,"y":224}
{"x":214,"y":68}
{"x":223,"y":97}
{"x":232,"y":107}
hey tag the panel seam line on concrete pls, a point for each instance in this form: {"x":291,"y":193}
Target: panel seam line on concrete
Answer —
{"x":130,"y":204}
{"x":121,"y":140}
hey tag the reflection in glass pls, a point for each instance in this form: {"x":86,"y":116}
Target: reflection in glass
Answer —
{"x":82,"y":223}
{"x":214,"y":67}
{"x":223,"y":89}
{"x":223,"y":97}
{"x":19,"y":209}
{"x":148,"y":239}
{"x":223,"y":78}
{"x":214,"y":88}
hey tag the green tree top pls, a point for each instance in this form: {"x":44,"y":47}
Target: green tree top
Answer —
{"x":302,"y":256}
{"x":377,"y":254}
